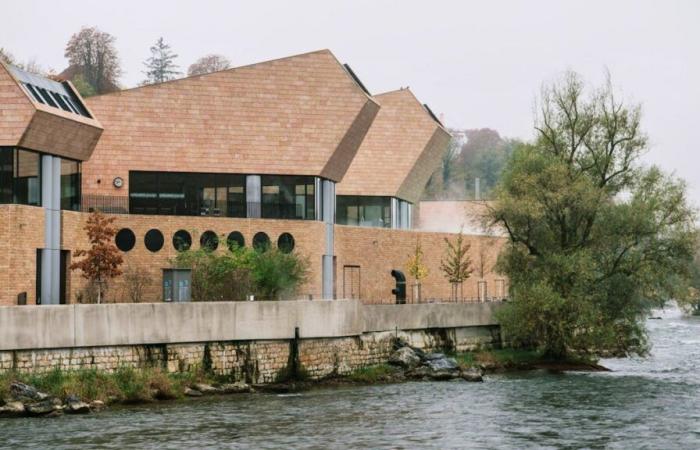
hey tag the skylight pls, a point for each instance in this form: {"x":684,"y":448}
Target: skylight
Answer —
{"x":49,"y":92}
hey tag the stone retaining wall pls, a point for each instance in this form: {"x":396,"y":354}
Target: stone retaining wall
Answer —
{"x":250,"y":361}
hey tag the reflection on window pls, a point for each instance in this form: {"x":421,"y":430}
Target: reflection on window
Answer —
{"x":187,"y":194}
{"x":288,"y":197}
{"x":70,"y":185}
{"x":364,"y":211}
{"x":19,"y":177}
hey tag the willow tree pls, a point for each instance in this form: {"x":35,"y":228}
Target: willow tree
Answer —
{"x":597,"y":239}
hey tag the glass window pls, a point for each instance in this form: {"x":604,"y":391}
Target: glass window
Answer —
{"x":70,"y":185}
{"x":364,"y":211}
{"x":7,"y":165}
{"x":288,"y":197}
{"x":187,"y":194}
{"x":27,"y":187}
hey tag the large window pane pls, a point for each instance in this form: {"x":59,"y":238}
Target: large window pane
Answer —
{"x":27,"y":188}
{"x":187,"y":194}
{"x":7,"y":164}
{"x":70,"y":185}
{"x":288,"y":197}
{"x":366,"y":211}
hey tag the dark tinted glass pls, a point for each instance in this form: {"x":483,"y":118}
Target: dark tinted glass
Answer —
{"x":235,"y":238}
{"x":125,"y":239}
{"x":288,"y":197}
{"x":261,"y":241}
{"x":366,"y":211}
{"x":209,"y":240}
{"x":7,"y":158}
{"x":70,"y":185}
{"x":154,"y":240}
{"x":187,"y":194}
{"x":285,"y":243}
{"x":182,"y":240}
{"x":27,"y":188}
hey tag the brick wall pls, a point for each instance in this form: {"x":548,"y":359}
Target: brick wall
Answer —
{"x":377,"y":251}
{"x":308,"y":237}
{"x":21,"y":233}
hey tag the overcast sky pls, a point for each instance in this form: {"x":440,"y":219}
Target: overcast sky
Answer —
{"x":481,"y":64}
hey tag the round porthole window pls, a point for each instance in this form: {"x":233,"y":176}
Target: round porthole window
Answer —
{"x":285,"y":243}
{"x":261,"y":241}
{"x":182,"y":240}
{"x":209,"y":240}
{"x":125,"y":239}
{"x":235,"y":238}
{"x":154,"y":240}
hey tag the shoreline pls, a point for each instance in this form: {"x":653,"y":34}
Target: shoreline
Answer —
{"x":80,"y":392}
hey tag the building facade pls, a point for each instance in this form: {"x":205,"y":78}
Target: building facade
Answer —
{"x":293,"y":152}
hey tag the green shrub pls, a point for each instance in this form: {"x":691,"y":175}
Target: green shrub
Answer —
{"x":267,"y":273}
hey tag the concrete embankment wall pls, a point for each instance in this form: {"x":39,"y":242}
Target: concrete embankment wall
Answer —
{"x":250,"y":340}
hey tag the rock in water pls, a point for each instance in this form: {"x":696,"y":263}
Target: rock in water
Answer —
{"x":441,"y":363}
{"x":97,"y":405}
{"x":205,"y":389}
{"x":404,"y":357}
{"x":75,"y":406}
{"x":235,"y":388}
{"x":12,"y":409}
{"x":192,"y":392}
{"x":44,"y":407}
{"x":472,"y":374}
{"x":24,"y":392}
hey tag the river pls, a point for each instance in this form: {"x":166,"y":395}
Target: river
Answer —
{"x":643,"y":403}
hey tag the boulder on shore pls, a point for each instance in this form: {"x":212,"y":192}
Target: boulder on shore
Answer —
{"x":75,"y":406}
{"x":235,"y":388}
{"x":12,"y":409}
{"x":192,"y":392}
{"x":25,"y":393}
{"x":49,"y":406}
{"x":206,"y":389}
{"x":472,"y":374}
{"x":404,"y":357}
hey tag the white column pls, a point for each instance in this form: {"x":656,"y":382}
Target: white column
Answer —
{"x":328,"y":215}
{"x":51,"y":253}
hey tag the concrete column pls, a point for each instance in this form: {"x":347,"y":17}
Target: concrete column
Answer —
{"x":328,"y":215}
{"x":394,"y":213}
{"x":253,"y":195}
{"x":403,"y":214}
{"x":51,"y":253}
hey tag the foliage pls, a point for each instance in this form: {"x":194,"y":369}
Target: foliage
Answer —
{"x":6,"y":56}
{"x":84,"y":88}
{"x":596,"y":239}
{"x":135,"y":283}
{"x":101,"y":262}
{"x":372,"y":374}
{"x":416,"y":266}
{"x":208,"y":64}
{"x":472,"y":154}
{"x":456,"y":265}
{"x":161,"y":64}
{"x":93,"y":54}
{"x":270,"y":274}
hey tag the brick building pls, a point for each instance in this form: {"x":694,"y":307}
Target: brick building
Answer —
{"x":292,"y":152}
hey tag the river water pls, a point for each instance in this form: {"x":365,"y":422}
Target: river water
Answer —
{"x":643,"y":403}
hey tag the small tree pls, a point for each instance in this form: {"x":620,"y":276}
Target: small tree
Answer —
{"x":161,"y":66}
{"x":457,"y":264}
{"x":208,"y":64}
{"x":417,"y":269}
{"x":101,"y":262}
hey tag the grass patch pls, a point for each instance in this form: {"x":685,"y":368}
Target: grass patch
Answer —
{"x":125,"y":385}
{"x":372,"y":374}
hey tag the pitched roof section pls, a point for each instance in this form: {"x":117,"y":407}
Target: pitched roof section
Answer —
{"x":401,"y":150}
{"x":58,"y":129}
{"x":298,"y":115}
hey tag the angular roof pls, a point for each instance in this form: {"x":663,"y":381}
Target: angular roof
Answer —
{"x":44,"y":115}
{"x":303,"y":114}
{"x":400,"y":152}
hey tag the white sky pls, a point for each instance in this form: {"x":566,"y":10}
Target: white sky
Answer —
{"x":481,"y":64}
